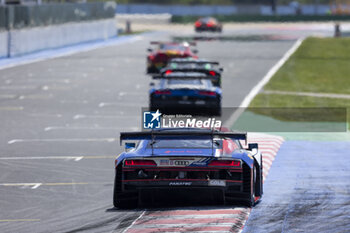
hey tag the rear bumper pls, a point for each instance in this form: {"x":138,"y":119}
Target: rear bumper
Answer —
{"x":153,"y":195}
{"x":206,"y":28}
{"x":206,"y":185}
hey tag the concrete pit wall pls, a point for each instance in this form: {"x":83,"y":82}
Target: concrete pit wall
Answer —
{"x":28,"y":40}
{"x":3,"y":44}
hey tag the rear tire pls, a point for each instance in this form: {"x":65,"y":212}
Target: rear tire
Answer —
{"x":122,"y":200}
{"x":217,"y":111}
{"x":251,"y":201}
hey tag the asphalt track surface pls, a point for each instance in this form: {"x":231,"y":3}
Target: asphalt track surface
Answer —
{"x":311,"y":195}
{"x":60,"y":120}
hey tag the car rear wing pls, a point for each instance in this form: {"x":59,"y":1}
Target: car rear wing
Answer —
{"x":188,"y":134}
{"x":192,"y":69}
{"x":193,"y":61}
{"x":191,"y":43}
{"x":185,"y":75}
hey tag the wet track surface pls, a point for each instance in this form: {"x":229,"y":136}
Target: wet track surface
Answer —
{"x":60,"y":121}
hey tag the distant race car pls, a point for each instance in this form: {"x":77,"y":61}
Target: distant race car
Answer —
{"x":186,"y":92}
{"x":207,"y":24}
{"x":195,"y":65}
{"x":171,"y":163}
{"x":159,"y":57}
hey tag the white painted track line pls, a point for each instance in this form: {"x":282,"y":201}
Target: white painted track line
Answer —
{"x":64,"y":140}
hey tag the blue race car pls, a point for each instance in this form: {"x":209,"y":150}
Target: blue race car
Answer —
{"x":167,"y":164}
{"x":210,"y":68}
{"x":189,"y":92}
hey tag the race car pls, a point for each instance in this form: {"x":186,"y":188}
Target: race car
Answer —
{"x":159,"y":57}
{"x":195,"y":65}
{"x":207,"y":24}
{"x":184,"y":163}
{"x":186,"y":92}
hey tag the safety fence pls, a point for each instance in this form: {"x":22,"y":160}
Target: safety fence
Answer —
{"x":24,"y":16}
{"x":237,"y":9}
{"x":29,"y":28}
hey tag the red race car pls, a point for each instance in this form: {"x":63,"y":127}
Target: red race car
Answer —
{"x":159,"y":57}
{"x":207,"y":24}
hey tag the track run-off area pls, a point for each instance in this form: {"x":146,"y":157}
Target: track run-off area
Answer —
{"x":60,"y":120}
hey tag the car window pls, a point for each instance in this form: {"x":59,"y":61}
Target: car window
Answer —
{"x":172,"y":47}
{"x":185,"y":81}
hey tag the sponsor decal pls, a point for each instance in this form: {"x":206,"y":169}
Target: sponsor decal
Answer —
{"x":181,"y":163}
{"x":217,"y":183}
{"x":202,"y":162}
{"x":156,"y":120}
{"x":164,"y":162}
{"x":152,"y":120}
{"x":177,"y":183}
{"x":190,"y":123}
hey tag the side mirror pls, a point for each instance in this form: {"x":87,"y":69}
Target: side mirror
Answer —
{"x":150,"y":50}
{"x":221,"y":69}
{"x":130,"y":146}
{"x":252,"y":146}
{"x":195,"y":51}
{"x":151,"y":84}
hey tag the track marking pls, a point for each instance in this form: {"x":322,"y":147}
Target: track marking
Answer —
{"x":64,"y":140}
{"x":50,"y":128}
{"x":37,"y":185}
{"x":245,"y":103}
{"x":19,"y":220}
{"x":80,"y":116}
{"x":35,"y":97}
{"x":17,"y":87}
{"x":122,"y":93}
{"x":143,"y":212}
{"x":45,"y":115}
{"x":10,"y":108}
{"x":34,"y":185}
{"x":66,"y":81}
{"x":121,"y":104}
{"x":8,"y":96}
{"x":57,"y":88}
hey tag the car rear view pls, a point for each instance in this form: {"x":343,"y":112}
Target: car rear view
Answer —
{"x":207,"y":24}
{"x":186,"y":93}
{"x":174,"y":163}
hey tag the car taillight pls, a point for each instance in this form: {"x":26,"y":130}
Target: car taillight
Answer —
{"x":207,"y":93}
{"x":168,"y":72}
{"x":197,"y":24}
{"x":158,"y":92}
{"x":140,"y":163}
{"x":210,"y":24}
{"x":161,"y":57}
{"x":212,"y":73}
{"x":225,"y":163}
